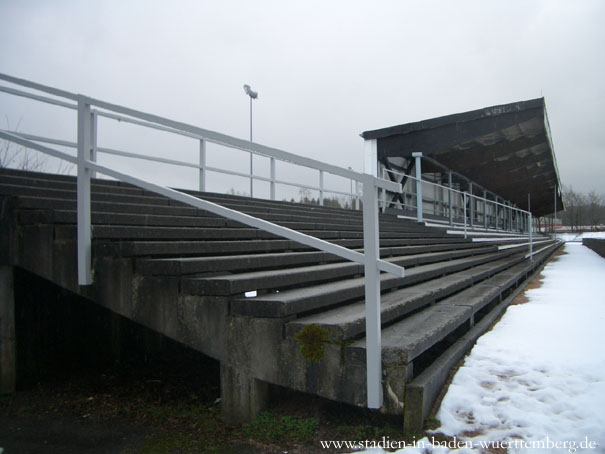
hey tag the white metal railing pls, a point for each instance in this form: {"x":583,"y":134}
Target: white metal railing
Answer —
{"x":87,"y":166}
{"x":204,"y":137}
{"x":513,"y":218}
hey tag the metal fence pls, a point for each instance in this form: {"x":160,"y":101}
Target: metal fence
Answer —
{"x":458,"y":208}
{"x":89,"y":109}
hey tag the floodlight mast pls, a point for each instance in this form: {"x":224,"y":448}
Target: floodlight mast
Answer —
{"x":253,"y":95}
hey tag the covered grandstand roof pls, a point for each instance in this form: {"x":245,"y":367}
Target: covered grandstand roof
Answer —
{"x":506,"y":149}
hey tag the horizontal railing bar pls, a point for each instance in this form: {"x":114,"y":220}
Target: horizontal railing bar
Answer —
{"x":214,"y":208}
{"x":212,"y":136}
{"x":468,"y":194}
{"x":63,"y":143}
{"x":35,"y":146}
{"x":147,"y":124}
{"x":45,"y":99}
{"x":39,"y":87}
{"x":128,"y":154}
{"x":245,"y":145}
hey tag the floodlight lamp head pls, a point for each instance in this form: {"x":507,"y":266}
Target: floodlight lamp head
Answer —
{"x":249,"y":92}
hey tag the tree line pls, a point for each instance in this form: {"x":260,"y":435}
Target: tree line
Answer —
{"x":583,"y":211}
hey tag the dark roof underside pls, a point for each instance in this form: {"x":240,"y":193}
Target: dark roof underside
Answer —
{"x":506,"y":149}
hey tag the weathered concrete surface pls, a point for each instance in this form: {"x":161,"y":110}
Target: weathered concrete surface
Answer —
{"x":8,"y":339}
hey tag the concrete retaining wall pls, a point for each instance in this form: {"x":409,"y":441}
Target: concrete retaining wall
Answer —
{"x":596,"y":244}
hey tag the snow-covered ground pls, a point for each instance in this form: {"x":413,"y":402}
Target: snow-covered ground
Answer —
{"x":536,"y":381}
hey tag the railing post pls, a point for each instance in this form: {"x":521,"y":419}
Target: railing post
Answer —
{"x":202,"y":170}
{"x":251,"y":167}
{"x":93,"y":138}
{"x":485,"y":209}
{"x":471,"y":203}
{"x":272,"y":184}
{"x":84,"y":233}
{"x":418,"y":166}
{"x":371,"y":250}
{"x":321,"y":187}
{"x":464,"y":205}
{"x":449,"y":197}
{"x":531,"y":238}
{"x":383,"y":192}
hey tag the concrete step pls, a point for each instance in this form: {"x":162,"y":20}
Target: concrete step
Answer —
{"x":179,"y":249}
{"x":43,"y":181}
{"x":232,"y":284}
{"x":299,"y":301}
{"x":410,"y":337}
{"x":191,"y":265}
{"x":31,"y":208}
{"x":60,"y":216}
{"x":103,"y":191}
{"x":125,"y":232}
{"x":348,"y":322}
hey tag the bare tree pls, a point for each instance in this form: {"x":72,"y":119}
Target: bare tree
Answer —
{"x":595,"y":203}
{"x":19,"y":157}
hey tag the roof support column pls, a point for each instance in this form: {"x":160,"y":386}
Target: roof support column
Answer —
{"x":418,"y":157}
{"x":449,"y":197}
{"x":485,"y":209}
{"x":471,"y":201}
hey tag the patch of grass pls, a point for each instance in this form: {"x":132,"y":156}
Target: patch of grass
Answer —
{"x":269,"y":427}
{"x":179,"y":442}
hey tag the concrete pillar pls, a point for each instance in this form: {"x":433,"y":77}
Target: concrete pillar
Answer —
{"x":242,"y":396}
{"x":8,"y":339}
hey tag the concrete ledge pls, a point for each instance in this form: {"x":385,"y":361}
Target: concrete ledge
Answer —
{"x":596,"y":244}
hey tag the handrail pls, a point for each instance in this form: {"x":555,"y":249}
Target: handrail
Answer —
{"x":214,"y":208}
{"x":85,"y":161}
{"x":163,"y":124}
{"x":492,"y":202}
{"x":466,"y":195}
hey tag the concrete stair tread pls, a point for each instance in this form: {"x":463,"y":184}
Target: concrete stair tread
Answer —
{"x":191,"y":265}
{"x":410,"y":337}
{"x":274,"y":279}
{"x":348,"y":321}
{"x":311,"y":298}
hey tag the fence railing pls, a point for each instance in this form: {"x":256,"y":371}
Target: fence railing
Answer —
{"x":204,"y":137}
{"x":85,"y":160}
{"x":493,"y":214}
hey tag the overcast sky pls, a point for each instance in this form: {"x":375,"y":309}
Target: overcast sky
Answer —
{"x":325,"y":70}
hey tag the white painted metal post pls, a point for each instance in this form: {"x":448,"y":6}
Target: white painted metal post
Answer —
{"x":272,"y":184}
{"x":371,"y":250}
{"x":449,"y":197}
{"x":418,"y":166}
{"x":485,"y":209}
{"x":83,"y":194}
{"x":471,"y":203}
{"x":251,"y":166}
{"x":382,"y":191}
{"x":321,"y":187}
{"x":93,"y":136}
{"x":531,"y":252}
{"x":464,"y":204}
{"x":202,"y":169}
